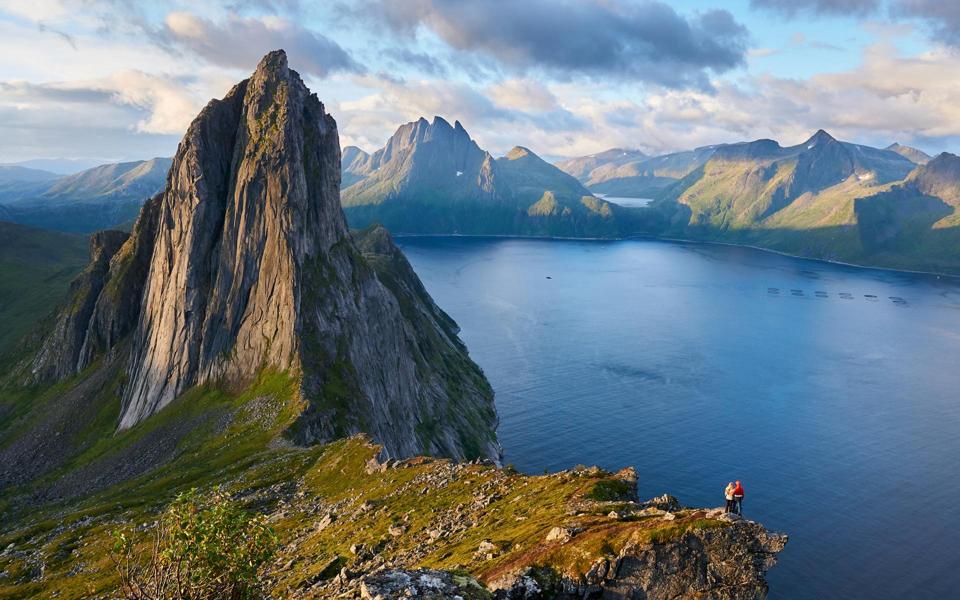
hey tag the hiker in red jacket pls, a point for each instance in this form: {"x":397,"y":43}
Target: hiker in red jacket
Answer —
{"x":738,"y":498}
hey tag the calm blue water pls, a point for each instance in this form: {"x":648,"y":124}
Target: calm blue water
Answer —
{"x":841,"y":416}
{"x":628,"y":202}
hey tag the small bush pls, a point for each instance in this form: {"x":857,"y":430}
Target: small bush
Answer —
{"x":204,"y":548}
{"x":608,"y":490}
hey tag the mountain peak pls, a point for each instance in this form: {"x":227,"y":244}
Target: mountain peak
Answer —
{"x":819,"y":137}
{"x":244,"y":262}
{"x":273,"y":64}
{"x":940,"y":177}
{"x":518,"y":152}
{"x":440,"y":122}
{"x":912,"y":154}
{"x":945,"y":163}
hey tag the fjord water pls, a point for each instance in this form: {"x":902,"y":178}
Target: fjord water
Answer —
{"x":703,"y":364}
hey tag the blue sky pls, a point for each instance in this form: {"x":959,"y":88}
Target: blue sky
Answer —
{"x":114,"y":79}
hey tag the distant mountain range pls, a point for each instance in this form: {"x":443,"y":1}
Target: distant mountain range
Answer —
{"x":58,"y":166}
{"x":618,"y":172}
{"x":825,"y":198}
{"x":431,"y":177}
{"x":104,"y":196}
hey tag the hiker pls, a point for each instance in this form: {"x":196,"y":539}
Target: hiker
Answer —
{"x":728,"y":495}
{"x":738,"y":498}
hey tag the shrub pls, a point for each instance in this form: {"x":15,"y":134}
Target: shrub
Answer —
{"x":204,"y":548}
{"x":609,"y":490}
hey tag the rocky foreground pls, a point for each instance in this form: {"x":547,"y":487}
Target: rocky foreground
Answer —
{"x":429,"y":528}
{"x":350,"y":526}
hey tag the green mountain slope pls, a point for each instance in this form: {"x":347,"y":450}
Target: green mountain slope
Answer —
{"x":822,"y":199}
{"x":36,"y":268}
{"x":916,"y":224}
{"x":432,"y":178}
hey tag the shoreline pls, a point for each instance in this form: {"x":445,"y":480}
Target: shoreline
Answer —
{"x":678,"y":241}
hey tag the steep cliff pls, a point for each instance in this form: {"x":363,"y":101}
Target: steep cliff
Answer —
{"x":244,"y":264}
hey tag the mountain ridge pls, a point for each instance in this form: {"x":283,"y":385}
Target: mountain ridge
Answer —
{"x":431,"y":177}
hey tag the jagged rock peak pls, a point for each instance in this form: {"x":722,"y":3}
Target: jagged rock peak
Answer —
{"x":242,"y":214}
{"x":244,"y":262}
{"x":61,"y":353}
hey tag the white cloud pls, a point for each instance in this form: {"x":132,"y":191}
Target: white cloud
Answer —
{"x":523,"y":94}
{"x":239,"y":42}
{"x":169,"y":105}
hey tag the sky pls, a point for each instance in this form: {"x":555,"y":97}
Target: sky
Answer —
{"x":122,"y":79}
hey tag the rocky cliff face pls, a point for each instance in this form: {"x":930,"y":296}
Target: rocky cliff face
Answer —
{"x":423,"y":160}
{"x":244,"y":263}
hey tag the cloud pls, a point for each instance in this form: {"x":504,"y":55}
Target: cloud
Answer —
{"x":163,"y":105}
{"x":942,"y":16}
{"x":168,"y":106}
{"x":859,"y":8}
{"x":888,"y":98}
{"x":498,"y":117}
{"x":69,"y":39}
{"x":127,"y":115}
{"x":421,"y":61}
{"x":523,"y":94}
{"x":239,"y":42}
{"x":647,"y":41}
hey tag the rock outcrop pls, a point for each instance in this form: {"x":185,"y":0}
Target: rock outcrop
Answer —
{"x":59,"y":356}
{"x":244,"y":263}
{"x":726,"y":563}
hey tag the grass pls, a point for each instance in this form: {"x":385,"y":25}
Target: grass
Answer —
{"x":36,"y":268}
{"x":515,"y":514}
{"x":240,"y":451}
{"x":610,"y":490}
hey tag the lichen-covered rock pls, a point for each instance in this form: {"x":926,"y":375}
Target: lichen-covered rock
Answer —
{"x":422,"y":584}
{"x":719,"y":563}
{"x":726,"y":563}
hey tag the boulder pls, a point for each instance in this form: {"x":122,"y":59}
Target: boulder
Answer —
{"x":559,"y":534}
{"x":421,"y":584}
